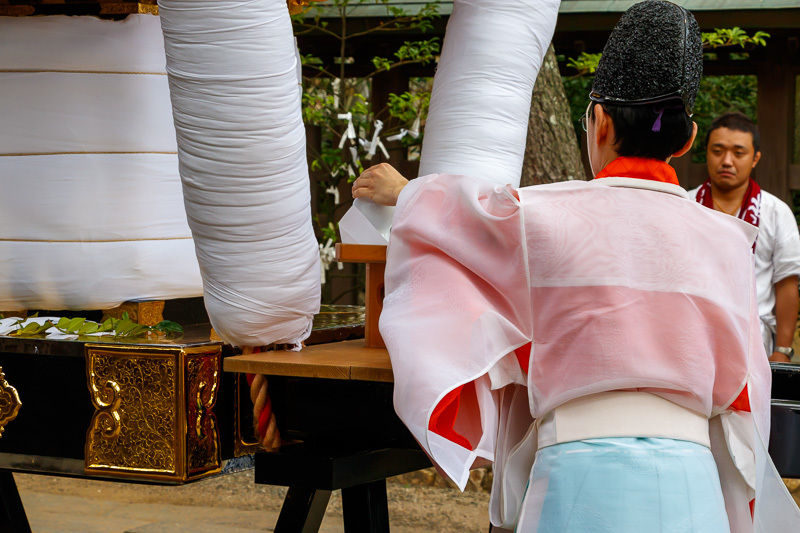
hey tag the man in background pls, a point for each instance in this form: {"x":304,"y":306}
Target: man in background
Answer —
{"x":732,"y":152}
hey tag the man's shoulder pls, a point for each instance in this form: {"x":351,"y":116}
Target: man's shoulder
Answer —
{"x":772,"y":202}
{"x":776,"y":213}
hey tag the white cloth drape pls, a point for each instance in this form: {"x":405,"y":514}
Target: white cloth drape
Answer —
{"x":91,"y":210}
{"x":478,"y":118}
{"x":242,"y":149}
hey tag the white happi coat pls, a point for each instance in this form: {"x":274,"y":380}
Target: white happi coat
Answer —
{"x":619,"y":283}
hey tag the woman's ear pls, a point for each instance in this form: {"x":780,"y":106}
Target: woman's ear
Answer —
{"x":689,"y":143}
{"x":601,"y":124}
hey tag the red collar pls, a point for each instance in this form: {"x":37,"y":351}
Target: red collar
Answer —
{"x":640,"y":168}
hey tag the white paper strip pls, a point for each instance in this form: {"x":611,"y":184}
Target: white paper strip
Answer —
{"x":366,"y":223}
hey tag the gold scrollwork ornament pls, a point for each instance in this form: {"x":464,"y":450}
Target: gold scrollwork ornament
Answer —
{"x":9,"y":402}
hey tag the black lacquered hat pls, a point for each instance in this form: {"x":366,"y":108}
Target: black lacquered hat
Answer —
{"x":654,"y":54}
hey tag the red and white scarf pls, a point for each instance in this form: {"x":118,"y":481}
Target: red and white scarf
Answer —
{"x":749,"y":211}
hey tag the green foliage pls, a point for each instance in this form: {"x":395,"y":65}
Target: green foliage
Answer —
{"x":717,"y":94}
{"x":408,"y":106}
{"x":586,"y":64}
{"x":722,"y":37}
{"x":577,"y":90}
{"x":31,"y":329}
{"x":117,"y":328}
{"x":336,"y":88}
{"x":796,"y":205}
{"x":329,"y":232}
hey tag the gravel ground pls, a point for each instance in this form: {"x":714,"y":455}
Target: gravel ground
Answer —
{"x":411,"y":508}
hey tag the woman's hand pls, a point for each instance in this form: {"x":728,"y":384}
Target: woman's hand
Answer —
{"x":380,"y":183}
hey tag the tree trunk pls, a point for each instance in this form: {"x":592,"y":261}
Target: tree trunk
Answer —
{"x":552,"y":152}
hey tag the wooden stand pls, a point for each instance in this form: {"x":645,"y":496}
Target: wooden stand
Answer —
{"x":335,"y":402}
{"x":375,"y":258}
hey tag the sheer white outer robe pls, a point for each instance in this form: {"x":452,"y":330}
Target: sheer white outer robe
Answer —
{"x":618,"y":283}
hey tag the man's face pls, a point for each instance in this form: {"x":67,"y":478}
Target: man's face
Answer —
{"x":730,"y":158}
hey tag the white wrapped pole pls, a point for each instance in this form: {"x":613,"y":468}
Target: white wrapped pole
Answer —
{"x":242,"y":152}
{"x":478,"y":118}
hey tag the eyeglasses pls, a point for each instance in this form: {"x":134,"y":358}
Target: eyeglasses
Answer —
{"x":585,"y":119}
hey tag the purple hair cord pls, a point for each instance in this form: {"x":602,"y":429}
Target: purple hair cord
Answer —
{"x":657,"y":123}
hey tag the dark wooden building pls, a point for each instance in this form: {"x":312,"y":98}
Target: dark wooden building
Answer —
{"x":584,"y":25}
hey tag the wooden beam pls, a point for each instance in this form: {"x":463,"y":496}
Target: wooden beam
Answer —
{"x":776,"y":94}
{"x":690,"y":175}
{"x":794,"y":176}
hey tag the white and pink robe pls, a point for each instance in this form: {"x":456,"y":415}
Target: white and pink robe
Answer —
{"x":619,"y":284}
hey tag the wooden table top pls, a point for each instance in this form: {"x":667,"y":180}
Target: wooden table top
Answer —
{"x":335,"y":360}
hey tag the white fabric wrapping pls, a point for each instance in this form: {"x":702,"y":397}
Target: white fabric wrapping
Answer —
{"x":478,"y":118}
{"x":82,"y":44}
{"x":242,"y":150}
{"x":57,"y":112}
{"x":92,"y":212}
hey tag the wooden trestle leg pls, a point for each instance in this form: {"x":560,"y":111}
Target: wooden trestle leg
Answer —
{"x":12,"y":513}
{"x":365,"y":508}
{"x":302,"y":511}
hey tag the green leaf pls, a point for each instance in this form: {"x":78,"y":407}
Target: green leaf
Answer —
{"x":125,"y":326}
{"x":381,"y":63}
{"x":31,"y":329}
{"x":88,"y":328}
{"x":167,"y":326}
{"x":75,"y":324}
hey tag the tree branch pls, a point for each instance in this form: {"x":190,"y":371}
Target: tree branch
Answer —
{"x":382,"y":27}
{"x":398,"y":64}
{"x":311,"y":27}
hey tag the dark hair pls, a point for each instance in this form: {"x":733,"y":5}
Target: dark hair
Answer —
{"x":737,"y":122}
{"x":634,"y":124}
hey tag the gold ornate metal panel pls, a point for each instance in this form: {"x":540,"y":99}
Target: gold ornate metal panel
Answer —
{"x":149,"y":312}
{"x":154,"y":416}
{"x":9,"y":402}
{"x":202,"y":386}
{"x":136,"y":429}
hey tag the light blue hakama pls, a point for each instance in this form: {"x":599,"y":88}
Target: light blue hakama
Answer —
{"x":624,"y":485}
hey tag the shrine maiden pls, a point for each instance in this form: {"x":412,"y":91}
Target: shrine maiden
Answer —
{"x":597,"y":341}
